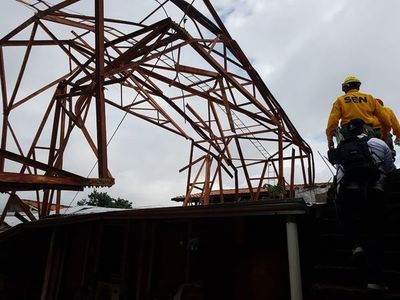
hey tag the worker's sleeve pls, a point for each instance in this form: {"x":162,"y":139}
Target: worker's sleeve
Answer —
{"x":382,"y":155}
{"x":383,"y":119}
{"x":333,"y":121}
{"x":394,"y":122}
{"x":388,"y":164}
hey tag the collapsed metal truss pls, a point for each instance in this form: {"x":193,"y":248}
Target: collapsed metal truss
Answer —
{"x":181,"y":71}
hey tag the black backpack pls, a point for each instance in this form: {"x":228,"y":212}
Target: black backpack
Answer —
{"x":356,"y":159}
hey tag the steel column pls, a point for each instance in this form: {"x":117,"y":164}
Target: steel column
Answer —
{"x":99,"y":91}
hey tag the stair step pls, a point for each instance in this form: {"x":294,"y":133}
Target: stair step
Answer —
{"x":334,"y":275}
{"x":326,"y":215}
{"x":332,"y":292}
{"x":329,"y":225}
{"x":343,"y":257}
{"x":352,"y":277}
{"x":391,"y":241}
{"x":393,"y":195}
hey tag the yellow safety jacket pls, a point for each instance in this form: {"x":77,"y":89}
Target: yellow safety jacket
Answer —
{"x":394,"y":123}
{"x":356,"y":105}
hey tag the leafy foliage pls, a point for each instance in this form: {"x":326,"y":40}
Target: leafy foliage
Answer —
{"x":275,"y":190}
{"x":104,"y":200}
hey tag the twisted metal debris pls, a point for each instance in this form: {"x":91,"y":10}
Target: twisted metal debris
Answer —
{"x":175,"y":66}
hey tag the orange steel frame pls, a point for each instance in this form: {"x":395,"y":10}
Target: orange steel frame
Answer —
{"x":187,"y":75}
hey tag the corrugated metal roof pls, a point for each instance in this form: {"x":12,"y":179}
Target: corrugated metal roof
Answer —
{"x":246,"y":191}
{"x":87,"y":209}
{"x":11,"y":220}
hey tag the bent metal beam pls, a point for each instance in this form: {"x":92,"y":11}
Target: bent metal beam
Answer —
{"x":176,"y":66}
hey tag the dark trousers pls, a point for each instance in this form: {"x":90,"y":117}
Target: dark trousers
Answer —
{"x":361,"y":217}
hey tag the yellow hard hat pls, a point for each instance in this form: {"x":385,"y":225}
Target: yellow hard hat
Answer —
{"x":350,"y":79}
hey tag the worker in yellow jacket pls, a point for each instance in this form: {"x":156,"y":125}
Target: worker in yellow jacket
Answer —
{"x":394,"y":124}
{"x":355,"y":105}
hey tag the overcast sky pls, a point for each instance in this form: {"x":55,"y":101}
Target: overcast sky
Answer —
{"x":303,"y":49}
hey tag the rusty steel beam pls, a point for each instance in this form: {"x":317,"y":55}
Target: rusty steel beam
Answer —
{"x":5,"y":104}
{"x":99,"y":92}
{"x":191,"y":80}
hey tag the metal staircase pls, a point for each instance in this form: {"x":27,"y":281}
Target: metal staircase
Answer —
{"x":331,"y":273}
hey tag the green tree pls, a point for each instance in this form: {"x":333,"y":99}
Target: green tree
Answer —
{"x":104,"y":200}
{"x":275,"y":190}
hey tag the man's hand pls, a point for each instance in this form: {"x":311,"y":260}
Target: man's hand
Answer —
{"x":397,"y":141}
{"x":331,"y":145}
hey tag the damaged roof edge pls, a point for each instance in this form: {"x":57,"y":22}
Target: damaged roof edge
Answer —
{"x":292,"y":206}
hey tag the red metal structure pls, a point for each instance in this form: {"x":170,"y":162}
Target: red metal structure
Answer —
{"x":176,"y":67}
